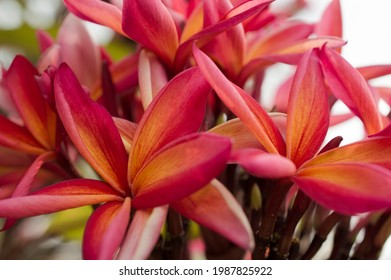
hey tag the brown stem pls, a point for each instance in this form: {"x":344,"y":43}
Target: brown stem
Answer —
{"x":342,"y":246}
{"x":175,"y":245}
{"x":272,"y":207}
{"x":321,"y":236}
{"x":300,"y":206}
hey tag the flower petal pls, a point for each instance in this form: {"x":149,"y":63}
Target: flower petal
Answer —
{"x":331,"y":22}
{"x":374,"y":71}
{"x":236,"y":16}
{"x":349,"y":86}
{"x":240,"y":135}
{"x":149,"y":23}
{"x":91,"y":129}
{"x":97,"y":11}
{"x":242,"y":105}
{"x":348,"y":188}
{"x":375,"y":150}
{"x":127,"y":130}
{"x":152,"y":77}
{"x":79,"y":51}
{"x":308,"y":111}
{"x":61,"y":196}
{"x":105,"y":230}
{"x":262,"y":164}
{"x":39,"y":119}
{"x":143,"y":233}
{"x":177,"y":110}
{"x":214,"y":207}
{"x":18,"y":138}
{"x":180,"y":169}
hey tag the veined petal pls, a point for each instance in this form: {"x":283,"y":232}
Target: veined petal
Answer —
{"x":105,"y":230}
{"x":262,"y":164}
{"x":97,"y":11}
{"x":348,"y":188}
{"x":180,"y":169}
{"x":143,"y":233}
{"x":91,"y":129}
{"x":152,"y":77}
{"x":18,"y":138}
{"x":177,"y":110}
{"x":242,"y":105}
{"x":79,"y":51}
{"x":375,"y":150}
{"x":236,"y":16}
{"x":149,"y":23}
{"x":348,"y":85}
{"x":61,"y":196}
{"x":308,"y":111}
{"x":214,"y":207}
{"x":39,"y":119}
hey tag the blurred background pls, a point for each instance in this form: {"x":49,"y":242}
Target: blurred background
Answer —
{"x":367,"y":29}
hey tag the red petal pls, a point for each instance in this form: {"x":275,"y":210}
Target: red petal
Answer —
{"x":97,"y":11}
{"x":348,"y":188}
{"x":180,"y":169}
{"x":149,"y":23}
{"x":374,"y":71}
{"x":91,"y":129}
{"x":349,"y":86}
{"x":177,"y":110}
{"x":308,"y":111}
{"x":18,"y":138}
{"x":242,"y":105}
{"x":331,"y":22}
{"x":61,"y":196}
{"x":105,"y":230}
{"x":215,"y":207}
{"x":143,"y":233}
{"x":39,"y":119}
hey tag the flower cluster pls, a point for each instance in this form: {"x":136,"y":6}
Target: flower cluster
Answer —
{"x":175,"y":135}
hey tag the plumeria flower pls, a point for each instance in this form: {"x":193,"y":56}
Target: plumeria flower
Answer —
{"x":169,"y":165}
{"x":351,"y":179}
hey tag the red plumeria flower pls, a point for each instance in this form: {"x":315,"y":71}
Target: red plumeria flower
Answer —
{"x":351,"y":179}
{"x":168,"y":164}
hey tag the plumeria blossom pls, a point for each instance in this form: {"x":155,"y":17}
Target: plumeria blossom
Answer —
{"x":343,"y":178}
{"x":168,"y":164}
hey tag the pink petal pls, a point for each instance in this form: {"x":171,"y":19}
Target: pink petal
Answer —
{"x":180,"y":169}
{"x":242,"y":105}
{"x":348,"y":188}
{"x":262,"y":164}
{"x":39,"y":119}
{"x":127,"y":130}
{"x":239,"y":134}
{"x":349,"y":86}
{"x":177,"y":110}
{"x":44,"y":40}
{"x":152,"y":77}
{"x":97,"y":11}
{"x":79,"y":51}
{"x":61,"y":196}
{"x":308,"y":110}
{"x":105,"y":230}
{"x":331,"y":22}
{"x":278,"y":37}
{"x":143,"y":233}
{"x":149,"y":23}
{"x":374,"y":71}
{"x":215,"y":208}
{"x":91,"y":129}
